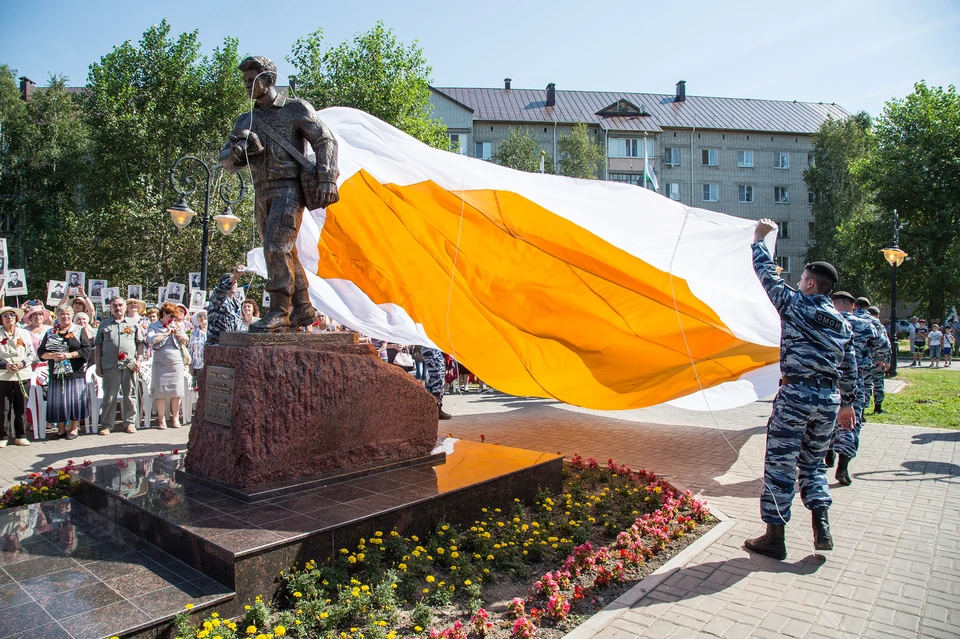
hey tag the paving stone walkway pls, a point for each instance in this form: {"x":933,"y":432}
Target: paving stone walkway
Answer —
{"x":895,"y":572}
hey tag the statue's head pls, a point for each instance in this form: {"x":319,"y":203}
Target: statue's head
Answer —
{"x":258,"y":65}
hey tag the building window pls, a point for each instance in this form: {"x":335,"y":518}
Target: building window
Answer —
{"x":708,"y":157}
{"x":671,"y":156}
{"x":628,"y":178}
{"x":745,"y":194}
{"x":781,"y":195}
{"x":673,"y":191}
{"x":745,"y":159}
{"x":783,"y":261}
{"x":711,"y":192}
{"x":781,"y":160}
{"x":458,"y":142}
{"x":484,"y":150}
{"x":629,"y":147}
{"x":811,"y":160}
{"x":784,"y":230}
{"x":810,"y":197}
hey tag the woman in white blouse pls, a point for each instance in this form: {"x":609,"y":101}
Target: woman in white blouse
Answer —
{"x":16,"y":357}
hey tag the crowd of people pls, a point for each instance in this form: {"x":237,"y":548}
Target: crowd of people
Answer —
{"x":68,"y":354}
{"x":936,"y":341}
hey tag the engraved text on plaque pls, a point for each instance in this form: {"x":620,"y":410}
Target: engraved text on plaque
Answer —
{"x":218,"y":403}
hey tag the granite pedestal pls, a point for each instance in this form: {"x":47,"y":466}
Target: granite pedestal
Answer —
{"x":280,"y":411}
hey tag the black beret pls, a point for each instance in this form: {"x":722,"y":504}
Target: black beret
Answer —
{"x":842,"y":295}
{"x":874,"y":310}
{"x":825,"y":270}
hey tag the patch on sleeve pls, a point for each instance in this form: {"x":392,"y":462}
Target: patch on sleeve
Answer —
{"x":827,"y":320}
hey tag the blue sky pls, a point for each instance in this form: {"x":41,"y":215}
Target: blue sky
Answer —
{"x":855,"y":53}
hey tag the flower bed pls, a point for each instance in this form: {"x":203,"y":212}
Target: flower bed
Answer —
{"x":43,"y":486}
{"x":541,"y":569}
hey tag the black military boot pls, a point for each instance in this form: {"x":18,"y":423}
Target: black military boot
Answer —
{"x":822,"y":539}
{"x":830,"y":459}
{"x":770,"y":544}
{"x":440,"y":413}
{"x":277,"y":319}
{"x":878,"y":408}
{"x":843,"y":474}
{"x":303,"y":313}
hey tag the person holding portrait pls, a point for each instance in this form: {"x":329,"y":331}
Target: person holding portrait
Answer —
{"x":168,"y":341}
{"x":66,"y":348}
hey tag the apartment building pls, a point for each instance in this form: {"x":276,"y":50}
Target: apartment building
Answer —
{"x":744,"y":157}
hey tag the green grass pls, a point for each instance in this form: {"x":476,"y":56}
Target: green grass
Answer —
{"x":930,"y":398}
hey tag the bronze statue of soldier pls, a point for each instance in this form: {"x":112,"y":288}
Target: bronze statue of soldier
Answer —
{"x":271,"y":143}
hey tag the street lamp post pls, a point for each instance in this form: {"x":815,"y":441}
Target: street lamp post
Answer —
{"x":182,"y":214}
{"x":894,"y":256}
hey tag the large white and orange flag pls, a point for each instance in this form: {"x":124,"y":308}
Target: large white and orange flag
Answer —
{"x":598,"y":294}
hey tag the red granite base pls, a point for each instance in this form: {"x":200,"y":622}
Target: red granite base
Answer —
{"x":303,"y":408}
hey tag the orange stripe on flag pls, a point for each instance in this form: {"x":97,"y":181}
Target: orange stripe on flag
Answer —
{"x":540,"y":306}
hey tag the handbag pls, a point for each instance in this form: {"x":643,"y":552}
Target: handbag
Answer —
{"x":313,"y":194}
{"x":403,"y":360}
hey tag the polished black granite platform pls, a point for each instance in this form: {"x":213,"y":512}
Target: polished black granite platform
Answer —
{"x":244,"y":546}
{"x":66,"y":572}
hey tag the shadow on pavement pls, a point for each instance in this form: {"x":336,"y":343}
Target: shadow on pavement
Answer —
{"x":929,"y":438}
{"x":722,"y":575}
{"x":915,"y":470}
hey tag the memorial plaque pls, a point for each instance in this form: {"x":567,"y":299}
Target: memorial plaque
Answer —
{"x":218,"y":402}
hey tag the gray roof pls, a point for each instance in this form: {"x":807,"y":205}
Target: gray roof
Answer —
{"x":731,"y":114}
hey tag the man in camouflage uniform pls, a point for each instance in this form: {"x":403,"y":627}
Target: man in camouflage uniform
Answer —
{"x":874,"y":381}
{"x":819,"y":372}
{"x":436,"y":371}
{"x":868,"y":343}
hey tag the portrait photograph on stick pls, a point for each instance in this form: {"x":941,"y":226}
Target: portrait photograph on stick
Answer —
{"x":76,"y":280}
{"x":55,"y":292}
{"x":134,"y":291}
{"x":174,"y":293}
{"x":16,"y":282}
{"x":198,"y":298}
{"x":194,"y":279}
{"x":96,"y":290}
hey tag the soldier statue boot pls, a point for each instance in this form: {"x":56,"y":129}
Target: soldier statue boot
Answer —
{"x":830,"y":459}
{"x":843,"y":473}
{"x":277,"y":319}
{"x":303,"y":313}
{"x":770,"y":543}
{"x":822,"y":539}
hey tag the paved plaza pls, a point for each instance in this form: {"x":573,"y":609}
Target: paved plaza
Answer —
{"x":895,"y":571}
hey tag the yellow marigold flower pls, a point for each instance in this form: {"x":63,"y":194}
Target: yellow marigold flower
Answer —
{"x":394,"y":533}
{"x":431,"y":579}
{"x":360,"y":557}
{"x":324,"y":615}
{"x":454,"y":555}
{"x":189,"y":606}
{"x":279,"y":631}
{"x":402,"y":567}
{"x":467,"y":583}
{"x":426,"y":590}
{"x":351,"y":559}
{"x":247,"y":607}
{"x":298,"y":594}
{"x":418,"y":629}
{"x":344,"y":551}
{"x":365,"y":588}
{"x":440,"y":551}
{"x":251,"y":630}
{"x":489,"y":557}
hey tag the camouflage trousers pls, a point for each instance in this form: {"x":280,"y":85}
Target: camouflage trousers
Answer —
{"x":847,"y":442}
{"x":433,"y":360}
{"x":874,"y":386}
{"x":798,"y":434}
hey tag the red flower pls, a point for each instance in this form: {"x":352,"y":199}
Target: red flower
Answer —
{"x":4,"y":342}
{"x":122,"y":356}
{"x":176,"y":451}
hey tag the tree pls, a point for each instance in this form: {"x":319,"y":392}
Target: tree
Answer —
{"x":580,"y":157}
{"x":45,"y":161}
{"x":375,"y":73}
{"x":147,"y":105}
{"x":915,"y":169}
{"x":520,"y":151}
